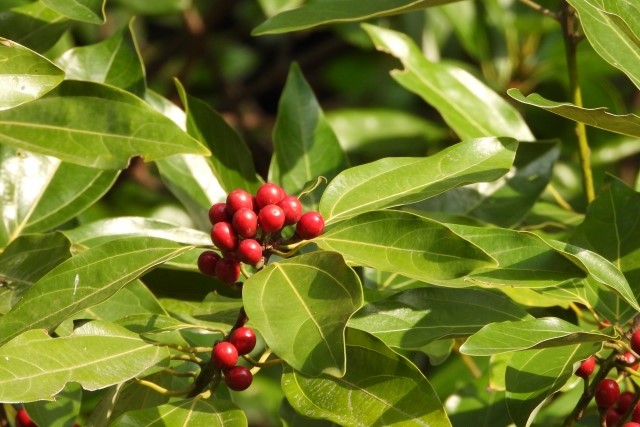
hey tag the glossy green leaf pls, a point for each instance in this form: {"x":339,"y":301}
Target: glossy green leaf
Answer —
{"x":414,"y":318}
{"x":320,"y":293}
{"x":382,"y":132}
{"x":627,"y":124}
{"x":91,"y":11}
{"x":135,"y":298}
{"x":598,"y":268}
{"x":469,"y":107}
{"x":413,"y":246}
{"x":522,"y":259}
{"x":508,"y":336}
{"x":612,"y":28}
{"x":218,"y":309}
{"x":97,"y":355}
{"x":506,"y":201}
{"x":40,"y":192}
{"x":534,"y":375}
{"x":290,"y":418}
{"x":271,"y":7}
{"x":61,"y":412}
{"x":33,"y":25}
{"x":305,"y":146}
{"x":232,"y":161}
{"x":398,"y":181}
{"x":324,"y":12}
{"x":407,"y":244}
{"x":94,"y":125}
{"x":614,"y":210}
{"x":24,"y":75}
{"x":114,"y":61}
{"x":380,"y":388}
{"x":100,"y":231}
{"x":156,"y":7}
{"x":31,"y":256}
{"x":213,"y":412}
{"x":85,"y":280}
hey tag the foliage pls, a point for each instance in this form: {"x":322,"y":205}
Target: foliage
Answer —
{"x":477,"y":248}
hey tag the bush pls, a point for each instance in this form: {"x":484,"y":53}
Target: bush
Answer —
{"x":450,"y":260}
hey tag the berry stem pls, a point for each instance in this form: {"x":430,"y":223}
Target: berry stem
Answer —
{"x":163,"y":391}
{"x":539,"y":8}
{"x":186,"y":357}
{"x":175,"y":373}
{"x":207,"y":373}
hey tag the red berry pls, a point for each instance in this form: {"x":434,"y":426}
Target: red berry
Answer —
{"x":218,"y":213}
{"x":586,"y":368}
{"x":635,"y":341}
{"x":207,"y":263}
{"x":630,"y":424}
{"x":624,"y":401}
{"x":244,"y":339}
{"x":224,"y":355}
{"x":250,"y":251}
{"x":269,"y":194}
{"x":607,"y":393}
{"x":635,"y":416}
{"x":629,"y":360}
{"x":271,"y":218}
{"x":238,"y":378}
{"x":237,"y":200}
{"x":223,"y":236}
{"x":310,"y":225}
{"x":612,"y":417}
{"x":245,"y":222}
{"x":228,"y":270}
{"x":292,"y":209}
{"x":23,"y":419}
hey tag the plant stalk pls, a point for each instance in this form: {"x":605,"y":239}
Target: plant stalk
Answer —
{"x":571,"y":40}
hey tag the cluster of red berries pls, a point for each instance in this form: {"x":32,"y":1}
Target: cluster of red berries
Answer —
{"x":613,"y":404}
{"x":225,"y":356}
{"x":246,"y":226}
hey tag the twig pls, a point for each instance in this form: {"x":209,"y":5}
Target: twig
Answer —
{"x":539,"y":8}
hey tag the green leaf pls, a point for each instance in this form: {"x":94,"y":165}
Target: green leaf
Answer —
{"x":40,"y":192}
{"x":85,"y":280}
{"x":321,"y":293}
{"x":91,"y":11}
{"x":374,"y":133}
{"x":61,"y":412}
{"x":598,"y":268}
{"x":212,"y":412}
{"x":614,"y":210}
{"x":115,"y":61}
{"x":380,"y":388}
{"x":290,"y":418}
{"x":24,"y":75}
{"x":97,"y":355}
{"x":506,"y":201}
{"x":156,"y":7}
{"x":522,"y":259}
{"x":403,"y":243}
{"x":33,"y":25}
{"x":414,"y":318}
{"x":504,"y":337}
{"x":305,"y":146}
{"x":399,"y":181}
{"x":101,"y":231}
{"x":322,"y":12}
{"x":94,"y":125}
{"x":534,"y":375}
{"x":612,"y":28}
{"x":232,"y":163}
{"x":628,"y":124}
{"x":469,"y":107}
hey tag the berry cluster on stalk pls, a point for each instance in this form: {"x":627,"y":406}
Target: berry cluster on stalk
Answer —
{"x":247,"y":229}
{"x":617,"y":399}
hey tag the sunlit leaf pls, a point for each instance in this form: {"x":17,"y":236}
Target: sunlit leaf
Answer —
{"x":380,"y":388}
{"x":414,"y":318}
{"x":33,"y":25}
{"x":94,"y":125}
{"x":97,"y":355}
{"x":24,"y":75}
{"x":301,"y":307}
{"x":91,"y":11}
{"x":504,"y":337}
{"x":85,"y":280}
{"x":398,"y":181}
